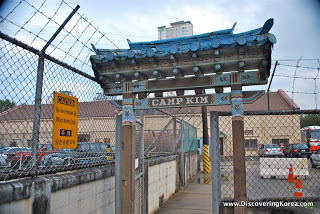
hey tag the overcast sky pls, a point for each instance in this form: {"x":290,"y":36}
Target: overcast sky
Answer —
{"x":296,"y":27}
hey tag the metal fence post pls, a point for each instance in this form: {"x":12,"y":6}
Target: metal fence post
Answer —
{"x":37,"y":110}
{"x":118,"y":156}
{"x":142,"y":161}
{"x":182,"y":173}
{"x":215,"y":162}
{"x":175,"y":134}
{"x":37,"y":105}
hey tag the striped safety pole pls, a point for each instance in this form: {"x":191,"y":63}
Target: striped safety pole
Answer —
{"x":206,"y":159}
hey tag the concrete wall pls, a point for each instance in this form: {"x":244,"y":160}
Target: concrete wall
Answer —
{"x":192,"y":165}
{"x":162,"y":181}
{"x":92,"y":190}
{"x":85,"y":191}
{"x":163,"y":177}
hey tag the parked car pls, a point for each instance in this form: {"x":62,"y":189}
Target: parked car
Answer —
{"x":84,"y":153}
{"x":62,"y":158}
{"x":6,"y":150}
{"x":270,"y":150}
{"x":3,"y":156}
{"x":297,"y":150}
{"x":315,"y":159}
{"x":23,"y":158}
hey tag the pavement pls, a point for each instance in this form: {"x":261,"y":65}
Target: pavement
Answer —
{"x":190,"y":199}
{"x":195,"y":198}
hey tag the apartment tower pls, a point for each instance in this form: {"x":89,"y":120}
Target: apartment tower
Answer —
{"x":177,"y":29}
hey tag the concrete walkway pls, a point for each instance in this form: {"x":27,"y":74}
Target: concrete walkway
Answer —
{"x":193,"y":198}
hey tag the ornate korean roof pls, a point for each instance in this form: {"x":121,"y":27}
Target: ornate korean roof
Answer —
{"x":201,"y":42}
{"x":218,"y":51}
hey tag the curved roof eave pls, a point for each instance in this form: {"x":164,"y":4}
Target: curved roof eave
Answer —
{"x":222,"y":38}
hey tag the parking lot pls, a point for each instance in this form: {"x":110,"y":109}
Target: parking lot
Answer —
{"x":259,"y":188}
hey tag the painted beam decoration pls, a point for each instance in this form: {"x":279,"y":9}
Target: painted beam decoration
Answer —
{"x":237,"y":105}
{"x":201,"y":61}
{"x":128,"y":115}
{"x":199,"y":100}
{"x":209,"y":81}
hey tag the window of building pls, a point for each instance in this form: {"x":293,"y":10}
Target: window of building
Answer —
{"x":248,"y":132}
{"x":13,"y":144}
{"x":83,"y":137}
{"x":280,"y":142}
{"x":252,"y":143}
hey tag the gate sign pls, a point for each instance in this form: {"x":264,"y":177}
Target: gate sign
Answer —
{"x":194,"y":100}
{"x":65,"y":121}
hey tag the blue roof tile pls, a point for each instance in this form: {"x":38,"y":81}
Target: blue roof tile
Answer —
{"x":201,"y":42}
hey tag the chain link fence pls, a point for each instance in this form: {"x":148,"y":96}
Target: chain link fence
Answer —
{"x":190,"y":142}
{"x":96,"y":118}
{"x":276,"y":156}
{"x":277,"y":150}
{"x":28,"y":79}
{"x":159,"y":133}
{"x":139,"y":165}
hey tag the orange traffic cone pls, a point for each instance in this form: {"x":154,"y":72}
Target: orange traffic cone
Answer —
{"x":298,"y":192}
{"x":290,"y":176}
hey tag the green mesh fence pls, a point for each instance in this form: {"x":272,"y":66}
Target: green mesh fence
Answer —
{"x":189,"y":137}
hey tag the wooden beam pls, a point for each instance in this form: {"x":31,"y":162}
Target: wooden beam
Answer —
{"x":180,"y":92}
{"x":158,"y":94}
{"x":142,"y":95}
{"x":204,"y":82}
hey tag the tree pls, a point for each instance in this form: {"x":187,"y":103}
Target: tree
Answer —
{"x":310,"y":120}
{"x":6,"y":104}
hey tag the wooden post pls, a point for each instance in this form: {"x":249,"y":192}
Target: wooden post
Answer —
{"x":239,"y":168}
{"x":128,"y":154}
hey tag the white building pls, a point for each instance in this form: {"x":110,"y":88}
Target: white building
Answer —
{"x":177,"y":29}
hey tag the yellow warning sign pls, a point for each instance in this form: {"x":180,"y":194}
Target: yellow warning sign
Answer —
{"x":65,"y":121}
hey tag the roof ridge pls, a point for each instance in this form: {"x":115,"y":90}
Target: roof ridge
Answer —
{"x":290,"y":102}
{"x":12,"y":109}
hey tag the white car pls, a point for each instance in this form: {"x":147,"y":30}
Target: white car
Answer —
{"x":6,"y":150}
{"x":315,"y":159}
{"x":270,"y":150}
{"x":3,"y":156}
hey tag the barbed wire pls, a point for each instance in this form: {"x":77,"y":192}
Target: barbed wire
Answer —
{"x":294,"y":66}
{"x":294,"y":79}
{"x":74,"y":43}
{"x":76,"y":52}
{"x":303,"y":88}
{"x":55,"y":13}
{"x":298,"y":77}
{"x":96,"y":29}
{"x":36,"y":10}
